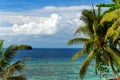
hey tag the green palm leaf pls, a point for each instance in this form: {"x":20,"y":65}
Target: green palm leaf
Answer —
{"x":83,"y":29}
{"x":9,"y":54}
{"x":110,"y":16}
{"x":1,"y":47}
{"x":85,"y":64}
{"x":77,"y":40}
{"x":113,"y":30}
{"x":115,"y":35}
{"x":17,"y":66}
{"x":114,"y":55}
{"x":104,"y":5}
{"x":16,"y":78}
{"x":79,"y":54}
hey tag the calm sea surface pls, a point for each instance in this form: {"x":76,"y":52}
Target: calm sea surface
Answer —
{"x":54,"y":64}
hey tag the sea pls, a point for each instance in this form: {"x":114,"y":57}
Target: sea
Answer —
{"x":54,"y":64}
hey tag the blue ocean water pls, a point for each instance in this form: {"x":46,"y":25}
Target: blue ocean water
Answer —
{"x":54,"y":64}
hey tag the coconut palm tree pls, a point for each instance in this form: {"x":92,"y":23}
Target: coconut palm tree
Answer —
{"x":102,"y":41}
{"x":113,"y":36}
{"x":93,"y":44}
{"x":7,"y":69}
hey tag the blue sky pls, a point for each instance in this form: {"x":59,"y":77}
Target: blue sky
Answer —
{"x":42,"y":23}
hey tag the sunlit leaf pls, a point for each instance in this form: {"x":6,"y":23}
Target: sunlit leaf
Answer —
{"x":85,"y":64}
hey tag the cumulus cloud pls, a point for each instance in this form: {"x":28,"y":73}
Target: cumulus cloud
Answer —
{"x":47,"y":24}
{"x":46,"y":21}
{"x":33,"y":28}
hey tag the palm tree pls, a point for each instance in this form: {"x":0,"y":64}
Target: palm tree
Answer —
{"x":113,"y":37}
{"x":93,"y":44}
{"x":102,"y":42}
{"x":8,"y":70}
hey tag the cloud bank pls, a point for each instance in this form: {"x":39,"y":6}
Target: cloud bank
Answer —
{"x":56,"y":24}
{"x":47,"y":27}
{"x":54,"y":19}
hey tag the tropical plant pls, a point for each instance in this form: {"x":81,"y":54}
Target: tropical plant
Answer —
{"x":102,"y":41}
{"x":112,"y":37}
{"x":8,"y":69}
{"x":92,"y":43}
{"x":111,"y":7}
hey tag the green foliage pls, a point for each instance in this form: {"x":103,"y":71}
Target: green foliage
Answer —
{"x":114,"y":30}
{"x":16,"y":78}
{"x":83,"y":29}
{"x":115,"y":55}
{"x":85,"y":64}
{"x":111,"y":7}
{"x":7,"y":70}
{"x":104,"y":70}
{"x":77,"y":40}
{"x":113,"y":15}
{"x":91,"y":44}
{"x":103,"y":43}
{"x":79,"y":54}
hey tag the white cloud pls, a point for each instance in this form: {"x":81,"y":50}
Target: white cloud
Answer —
{"x":69,"y":8}
{"x":32,"y":28}
{"x":20,"y":19}
{"x":55,"y":21}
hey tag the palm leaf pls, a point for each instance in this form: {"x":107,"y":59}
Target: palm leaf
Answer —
{"x":9,"y":54}
{"x":85,"y":64}
{"x":83,"y":29}
{"x":89,"y":45}
{"x":114,"y":55}
{"x":17,"y":66}
{"x":77,"y":40}
{"x":1,"y":47}
{"x":79,"y":54}
{"x":88,"y":18}
{"x":115,"y":35}
{"x":104,"y":5}
{"x":110,"y":16}
{"x":16,"y":78}
{"x":114,"y":29}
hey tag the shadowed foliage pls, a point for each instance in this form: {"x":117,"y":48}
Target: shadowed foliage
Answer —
{"x":8,"y":70}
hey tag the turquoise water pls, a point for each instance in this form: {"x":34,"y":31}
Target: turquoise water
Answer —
{"x":54,"y":64}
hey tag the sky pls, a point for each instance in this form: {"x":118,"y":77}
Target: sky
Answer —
{"x":42,"y":23}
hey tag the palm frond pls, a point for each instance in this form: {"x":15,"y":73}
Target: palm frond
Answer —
{"x":88,"y":18}
{"x":79,"y":54}
{"x":113,"y":15}
{"x":85,"y":64}
{"x":16,"y":78}
{"x":1,"y":47}
{"x":77,"y":40}
{"x":114,"y":29}
{"x":115,"y":36}
{"x":10,"y":52}
{"x":117,"y":41}
{"x":16,"y":67}
{"x":114,"y":55}
{"x":104,"y":5}
{"x":89,"y":45}
{"x":83,"y":29}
